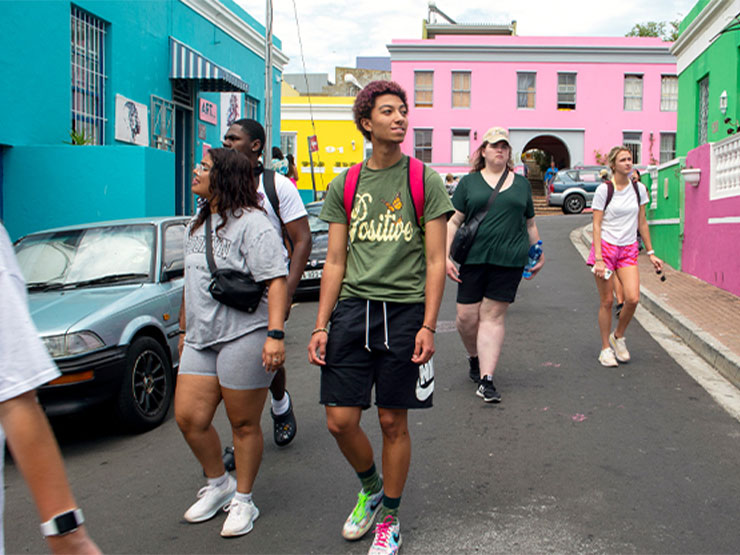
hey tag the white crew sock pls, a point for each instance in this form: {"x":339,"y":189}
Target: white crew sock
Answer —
{"x":243,"y":497}
{"x":218,"y":482}
{"x":281,"y":406}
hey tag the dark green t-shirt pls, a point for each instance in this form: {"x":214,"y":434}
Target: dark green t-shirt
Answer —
{"x":502,"y":237}
{"x":385,"y":260}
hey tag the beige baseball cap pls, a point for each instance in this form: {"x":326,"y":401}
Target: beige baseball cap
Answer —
{"x":496,"y":134}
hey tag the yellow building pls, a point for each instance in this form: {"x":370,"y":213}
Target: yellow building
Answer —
{"x":340,"y":143}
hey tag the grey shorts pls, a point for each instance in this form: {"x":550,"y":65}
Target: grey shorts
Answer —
{"x":237,"y":364}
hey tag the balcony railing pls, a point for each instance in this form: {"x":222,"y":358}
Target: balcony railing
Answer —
{"x":725,"y":169}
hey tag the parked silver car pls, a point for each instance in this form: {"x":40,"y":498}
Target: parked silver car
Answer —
{"x":573,"y":188}
{"x":105,"y":298}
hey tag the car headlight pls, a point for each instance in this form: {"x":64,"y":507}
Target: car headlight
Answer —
{"x":72,"y":343}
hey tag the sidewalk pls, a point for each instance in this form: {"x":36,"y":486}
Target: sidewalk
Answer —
{"x":705,"y":317}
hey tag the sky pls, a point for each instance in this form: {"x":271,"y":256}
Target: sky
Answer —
{"x":335,"y":33}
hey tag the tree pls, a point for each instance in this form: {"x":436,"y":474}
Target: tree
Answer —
{"x":649,"y":29}
{"x":656,"y":29}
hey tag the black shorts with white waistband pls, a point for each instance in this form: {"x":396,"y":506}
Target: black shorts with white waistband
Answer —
{"x":371,"y":344}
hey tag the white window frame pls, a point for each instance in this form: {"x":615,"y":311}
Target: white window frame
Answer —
{"x":669,"y":94}
{"x":634,"y":145}
{"x":667,"y":155}
{"x":456,"y":136}
{"x":526,"y":92}
{"x":567,"y":89}
{"x":633,"y":89}
{"x":289,"y":143}
{"x":88,"y":75}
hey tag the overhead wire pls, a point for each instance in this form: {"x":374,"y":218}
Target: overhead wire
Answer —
{"x":305,"y":74}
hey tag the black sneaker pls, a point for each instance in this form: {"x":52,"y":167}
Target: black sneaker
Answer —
{"x":474,"y":371}
{"x":487,"y":391}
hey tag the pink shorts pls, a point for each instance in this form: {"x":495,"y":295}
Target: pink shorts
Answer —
{"x":615,"y":256}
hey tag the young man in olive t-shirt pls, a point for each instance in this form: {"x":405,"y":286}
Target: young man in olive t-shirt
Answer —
{"x":387,"y":275}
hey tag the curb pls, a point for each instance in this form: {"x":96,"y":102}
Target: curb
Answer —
{"x":712,"y":351}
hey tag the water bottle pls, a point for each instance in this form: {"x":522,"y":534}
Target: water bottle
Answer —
{"x":535,"y":251}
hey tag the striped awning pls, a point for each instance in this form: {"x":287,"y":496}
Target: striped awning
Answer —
{"x":186,"y":63}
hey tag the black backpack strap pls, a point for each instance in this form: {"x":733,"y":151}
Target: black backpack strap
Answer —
{"x":636,"y":187}
{"x":268,"y":181}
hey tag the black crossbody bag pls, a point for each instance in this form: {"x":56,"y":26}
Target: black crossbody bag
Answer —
{"x":232,"y":287}
{"x":465,"y":234}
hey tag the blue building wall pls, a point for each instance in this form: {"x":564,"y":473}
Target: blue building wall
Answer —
{"x":92,"y":183}
{"x":43,"y":183}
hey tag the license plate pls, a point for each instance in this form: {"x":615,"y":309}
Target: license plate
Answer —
{"x":311,"y":274}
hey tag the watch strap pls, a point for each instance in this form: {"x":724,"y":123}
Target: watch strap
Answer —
{"x":63,"y":523}
{"x":276,"y":334}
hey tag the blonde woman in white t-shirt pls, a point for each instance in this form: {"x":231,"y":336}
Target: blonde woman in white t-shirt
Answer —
{"x":615,"y":248}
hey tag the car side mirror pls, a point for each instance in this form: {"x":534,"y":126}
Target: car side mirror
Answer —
{"x":174,"y":271}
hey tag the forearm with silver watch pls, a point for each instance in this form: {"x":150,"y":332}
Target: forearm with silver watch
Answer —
{"x":63,"y":523}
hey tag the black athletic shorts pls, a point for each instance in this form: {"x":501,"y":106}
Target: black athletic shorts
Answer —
{"x":498,"y":283}
{"x":370,"y":344}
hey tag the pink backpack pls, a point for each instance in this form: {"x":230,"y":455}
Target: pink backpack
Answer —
{"x":415,"y":182}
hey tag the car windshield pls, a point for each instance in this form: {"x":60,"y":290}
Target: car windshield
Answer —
{"x":82,"y":257}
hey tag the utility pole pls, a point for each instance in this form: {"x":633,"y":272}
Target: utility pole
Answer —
{"x":267,"y":151}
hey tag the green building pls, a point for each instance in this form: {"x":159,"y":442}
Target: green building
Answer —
{"x":694,"y":212}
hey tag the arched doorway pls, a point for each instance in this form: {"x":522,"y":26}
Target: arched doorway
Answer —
{"x":553,"y":149}
{"x":552,"y":146}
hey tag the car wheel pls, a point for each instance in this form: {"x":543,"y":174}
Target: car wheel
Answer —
{"x":574,"y":204}
{"x":147,"y":386}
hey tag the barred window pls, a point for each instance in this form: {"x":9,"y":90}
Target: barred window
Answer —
{"x":423,"y":145}
{"x":566,"y":91}
{"x":633,"y":93}
{"x":162,"y":113}
{"x":525,"y":89}
{"x":669,"y":93}
{"x":88,"y":77}
{"x":461,"y":89}
{"x":703,"y":119}
{"x":633,"y":142}
{"x":423,"y":88}
{"x":250,"y":107}
{"x":667,"y":147}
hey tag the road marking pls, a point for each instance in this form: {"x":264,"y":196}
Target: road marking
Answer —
{"x":714,"y":383}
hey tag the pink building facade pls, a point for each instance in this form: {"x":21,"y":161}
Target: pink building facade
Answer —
{"x":573,"y":97}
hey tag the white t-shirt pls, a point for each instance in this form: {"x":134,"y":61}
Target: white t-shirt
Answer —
{"x":291,"y":205}
{"x":619,"y":226}
{"x":25,"y":363}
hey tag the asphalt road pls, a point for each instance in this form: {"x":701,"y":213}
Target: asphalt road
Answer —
{"x":576,"y":459}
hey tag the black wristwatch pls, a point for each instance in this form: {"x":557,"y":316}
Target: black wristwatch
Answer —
{"x":276,"y":334}
{"x":63,"y":523}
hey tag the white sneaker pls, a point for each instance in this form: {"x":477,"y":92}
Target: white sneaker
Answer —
{"x":241,"y":518}
{"x":387,"y":537}
{"x":210,"y":501}
{"x":620,"y":348}
{"x":607,"y":358}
